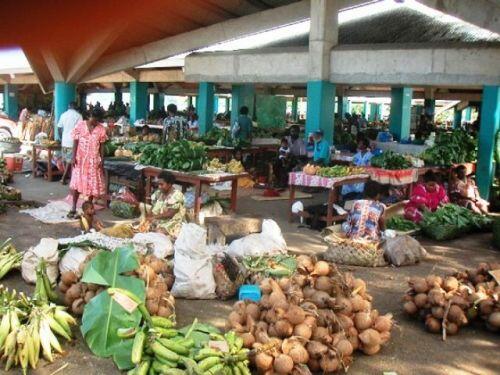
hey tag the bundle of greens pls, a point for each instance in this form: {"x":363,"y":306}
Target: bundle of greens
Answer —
{"x":401,"y":224}
{"x":180,"y":155}
{"x":390,"y":160}
{"x":222,"y":138}
{"x":451,"y":148}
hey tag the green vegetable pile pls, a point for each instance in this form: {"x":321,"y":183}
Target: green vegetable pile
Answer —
{"x":222,"y":137}
{"x":110,"y":148}
{"x":401,"y":224}
{"x":180,"y":155}
{"x":451,"y":148}
{"x":390,"y":160}
{"x":338,"y":171}
{"x":123,"y":209}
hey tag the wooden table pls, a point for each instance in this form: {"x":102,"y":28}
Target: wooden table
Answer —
{"x":123,"y":178}
{"x":196,"y":180}
{"x":50,"y":150}
{"x":331,"y":184}
{"x":225,"y":154}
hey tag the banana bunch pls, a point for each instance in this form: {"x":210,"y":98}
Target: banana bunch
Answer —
{"x":215,"y":165}
{"x":44,"y":290}
{"x":231,"y":362}
{"x":235,"y":167}
{"x":9,"y":258}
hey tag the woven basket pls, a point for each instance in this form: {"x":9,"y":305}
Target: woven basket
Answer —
{"x":353,"y":252}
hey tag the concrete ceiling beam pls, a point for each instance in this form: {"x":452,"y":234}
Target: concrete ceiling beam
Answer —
{"x":482,"y":13}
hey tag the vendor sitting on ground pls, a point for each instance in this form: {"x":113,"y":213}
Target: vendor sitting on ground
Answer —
{"x":321,"y":155}
{"x":168,"y":212}
{"x":361,"y":159}
{"x":88,"y":221}
{"x":464,"y":192}
{"x":366,"y":218}
{"x":426,"y":196}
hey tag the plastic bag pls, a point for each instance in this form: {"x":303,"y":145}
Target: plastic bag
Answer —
{"x":46,"y":249}
{"x":72,"y":260}
{"x":160,"y":243}
{"x":193,"y":268}
{"x":125,"y":195}
{"x":269,"y":242}
{"x":403,"y":250}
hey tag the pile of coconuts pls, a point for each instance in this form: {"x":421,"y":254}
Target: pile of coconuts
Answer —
{"x":310,"y":322}
{"x":156,"y":273}
{"x":449,"y":303}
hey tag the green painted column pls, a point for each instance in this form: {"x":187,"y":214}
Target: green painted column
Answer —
{"x":430,"y":107}
{"x":342,"y":106}
{"x":10,"y":101}
{"x":295,"y":108}
{"x":205,"y":106}
{"x":139,"y":100}
{"x":320,"y":108}
{"x":242,"y":95}
{"x":158,"y":101}
{"x":365,"y":109}
{"x":118,"y":95}
{"x":373,"y":112}
{"x":216,"y":104}
{"x":228,"y":104}
{"x":349,"y":107}
{"x":457,"y":118}
{"x":190,"y":101}
{"x":490,"y":123}
{"x":468,"y":114}
{"x":64,"y":93}
{"x":399,"y":124}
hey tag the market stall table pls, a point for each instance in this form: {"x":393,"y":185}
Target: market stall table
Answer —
{"x":50,"y":149}
{"x":196,"y":179}
{"x":329,"y":183}
{"x":125,"y":172}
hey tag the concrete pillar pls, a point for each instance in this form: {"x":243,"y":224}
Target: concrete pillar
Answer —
{"x":216,"y":104}
{"x":295,"y":108}
{"x":64,"y":93}
{"x":399,"y":124}
{"x":158,"y":101}
{"x":457,"y":118}
{"x":320,"y":108}
{"x":10,"y":101}
{"x":468,"y":114}
{"x":490,"y":123}
{"x":139,"y":100}
{"x":365,"y":110}
{"x":430,"y":107}
{"x":118,"y":95}
{"x":205,"y":106}
{"x":242,"y":95}
{"x":374,"y":115}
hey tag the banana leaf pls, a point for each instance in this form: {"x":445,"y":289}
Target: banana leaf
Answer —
{"x":102,"y":316}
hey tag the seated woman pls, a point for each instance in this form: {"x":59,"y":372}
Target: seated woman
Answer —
{"x":463,"y":192}
{"x":426,"y":196}
{"x":365,"y":220}
{"x":361,"y":159}
{"x":168,"y":212}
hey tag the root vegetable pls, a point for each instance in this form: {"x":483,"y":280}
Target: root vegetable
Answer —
{"x":295,"y":314}
{"x":263,"y":361}
{"x":308,"y":292}
{"x":253,"y":310}
{"x":385,"y":337}
{"x":310,"y":321}
{"x":421,"y":300}
{"x":298,"y":354}
{"x":457,"y":315}
{"x":432,"y":324}
{"x":313,"y":365}
{"x":494,"y":320}
{"x":344,"y":304}
{"x":152,"y":306}
{"x":451,"y":328}
{"x":344,"y":347}
{"x":371,"y":350}
{"x":320,"y":334}
{"x":486,"y":307}
{"x":323,"y":283}
{"x":74,"y":291}
{"x":434,"y":281}
{"x":321,"y":268}
{"x":265,"y":286}
{"x":450,"y":284}
{"x":277,"y":297}
{"x":316,"y":349}
{"x":437,"y":312}
{"x":164,"y":311}
{"x":383,"y":323}
{"x":370,"y":337}
{"x":354,"y":340}
{"x":357,"y":303}
{"x":147,"y":274}
{"x":88,"y":296}
{"x":283,"y":364}
{"x":302,"y":330}
{"x":248,"y":339}
{"x":359,"y":286}
{"x":77,"y":306}
{"x":362,"y":320}
{"x":329,"y":363}
{"x":419,"y":284}
{"x":320,"y":299}
{"x":63,"y":287}
{"x":283,"y":328}
{"x":305,"y":263}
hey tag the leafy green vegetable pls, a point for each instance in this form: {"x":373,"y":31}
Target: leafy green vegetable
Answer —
{"x":110,"y":148}
{"x":451,"y":148}
{"x":390,"y":160}
{"x":401,"y":224}
{"x":200,"y":332}
{"x":102,"y":316}
{"x":180,"y":155}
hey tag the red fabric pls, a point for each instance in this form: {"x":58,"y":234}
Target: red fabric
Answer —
{"x":421,"y":196}
{"x":393,"y":177}
{"x":87,"y":176}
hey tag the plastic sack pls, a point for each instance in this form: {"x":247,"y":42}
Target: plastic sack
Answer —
{"x":193,"y":268}
{"x":210,"y":210}
{"x":46,"y":249}
{"x":72,"y":260}
{"x":403,"y":250}
{"x":160,"y":243}
{"x":269,"y":242}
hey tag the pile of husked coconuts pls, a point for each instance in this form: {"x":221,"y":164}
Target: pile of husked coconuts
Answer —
{"x":312,"y":321}
{"x":455,"y":301}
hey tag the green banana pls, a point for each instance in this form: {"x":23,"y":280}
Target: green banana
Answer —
{"x":126,"y":333}
{"x":138,"y":347}
{"x":209,"y":362}
{"x":173,"y":346}
{"x":143,"y":368}
{"x":159,"y":321}
{"x":161,"y":351}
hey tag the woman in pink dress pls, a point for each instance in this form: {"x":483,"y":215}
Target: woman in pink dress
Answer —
{"x":426,"y":196}
{"x":87,"y":177}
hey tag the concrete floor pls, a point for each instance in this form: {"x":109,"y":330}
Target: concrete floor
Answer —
{"x":410,"y":351}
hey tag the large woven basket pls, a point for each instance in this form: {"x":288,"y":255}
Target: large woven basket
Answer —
{"x":353,"y":252}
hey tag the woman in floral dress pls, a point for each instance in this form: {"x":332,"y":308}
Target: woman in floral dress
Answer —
{"x":87,"y":177}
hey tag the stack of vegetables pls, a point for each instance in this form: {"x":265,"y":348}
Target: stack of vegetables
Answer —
{"x":9,"y":258}
{"x":310,"y":322}
{"x":339,"y":171}
{"x":451,"y":148}
{"x":459,"y":299}
{"x":390,"y":160}
{"x":180,"y":155}
{"x":222,"y":138}
{"x":401,"y":224}
{"x":234,"y":166}
{"x":30,"y":326}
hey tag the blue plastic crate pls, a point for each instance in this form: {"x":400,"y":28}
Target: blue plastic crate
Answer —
{"x":251,"y":292}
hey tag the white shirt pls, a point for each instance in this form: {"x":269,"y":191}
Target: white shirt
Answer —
{"x":68,"y":121}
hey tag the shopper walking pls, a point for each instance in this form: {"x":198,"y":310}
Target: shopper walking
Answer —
{"x":66,"y":124}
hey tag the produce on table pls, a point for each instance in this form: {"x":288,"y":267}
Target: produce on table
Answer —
{"x":399,"y":223}
{"x":339,"y":171}
{"x":234,"y":166}
{"x":29,"y":326}
{"x":390,"y":160}
{"x":451,"y":148}
{"x":451,"y":220}
{"x":121,"y":153}
{"x":449,"y":303}
{"x":179,"y":155}
{"x":110,"y":148}
{"x":9,"y":258}
{"x":310,"y":169}
{"x":222,"y":138}
{"x":312,"y":321}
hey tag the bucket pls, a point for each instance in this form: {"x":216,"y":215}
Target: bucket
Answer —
{"x":13,"y":162}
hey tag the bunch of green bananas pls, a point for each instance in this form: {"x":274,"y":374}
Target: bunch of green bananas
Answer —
{"x":44,"y":290}
{"x":335,"y":171}
{"x":9,"y":258}
{"x":29,"y":327}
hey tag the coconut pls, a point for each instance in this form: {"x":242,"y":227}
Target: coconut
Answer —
{"x":437,"y":312}
{"x":421,"y":300}
{"x":362,"y":320}
{"x":451,"y":328}
{"x":295,"y":314}
{"x":345,"y":321}
{"x":265,"y":286}
{"x":69,"y":277}
{"x":329,"y":363}
{"x":370,"y":337}
{"x":305,"y":263}
{"x":320,"y":299}
{"x":302,"y":330}
{"x":313,"y":365}
{"x":383,"y":323}
{"x":457,"y":315}
{"x":357,"y":303}
{"x":359,"y":286}
{"x":263,"y":361}
{"x":371,"y":350}
{"x":434,"y":281}
{"x":432,"y":324}
{"x":253,"y":310}
{"x":344,"y":305}
{"x":298,"y":354}
{"x":283,"y":328}
{"x":385,"y":337}
{"x":308,"y":291}
{"x":344,"y":347}
{"x":323,"y":283}
{"x":321,"y":334}
{"x":77,"y":306}
{"x":283,"y":364}
{"x":321,"y":268}
{"x":419,"y":284}
{"x":494,"y":320}
{"x":248,"y":339}
{"x":450,"y":284}
{"x":316,"y":349}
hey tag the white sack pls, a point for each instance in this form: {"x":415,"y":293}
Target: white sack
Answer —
{"x":72,"y":260}
{"x":160,"y":243}
{"x":193,"y":272}
{"x":269,"y":242}
{"x":46,"y":249}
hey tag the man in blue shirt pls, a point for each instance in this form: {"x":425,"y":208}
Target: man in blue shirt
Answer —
{"x":242,"y":129}
{"x":321,"y":155}
{"x":361,"y":159}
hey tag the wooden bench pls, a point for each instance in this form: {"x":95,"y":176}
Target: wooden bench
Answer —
{"x":223,"y":229}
